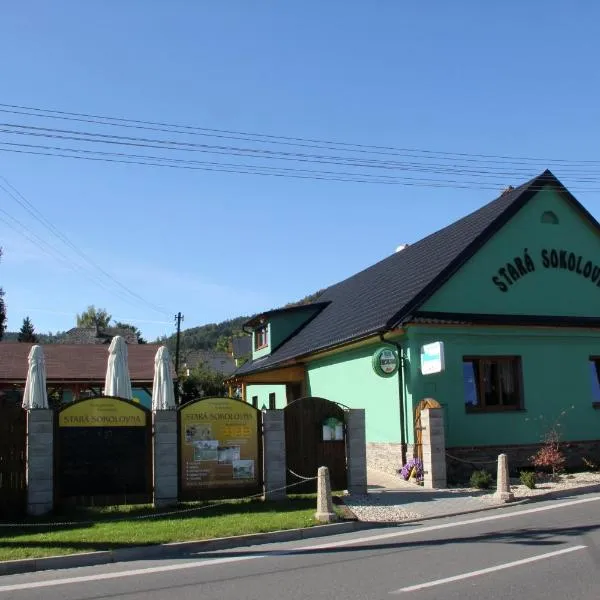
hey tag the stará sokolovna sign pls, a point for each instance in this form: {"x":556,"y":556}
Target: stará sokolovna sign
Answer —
{"x":550,"y":258}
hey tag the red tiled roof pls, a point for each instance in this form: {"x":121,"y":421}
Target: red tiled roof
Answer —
{"x":76,"y":362}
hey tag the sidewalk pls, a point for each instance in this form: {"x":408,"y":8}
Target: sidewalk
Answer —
{"x":390,"y":499}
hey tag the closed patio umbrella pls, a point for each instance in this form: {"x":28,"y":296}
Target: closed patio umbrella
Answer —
{"x":117,"y":382}
{"x":163,"y":394}
{"x":35,"y":395}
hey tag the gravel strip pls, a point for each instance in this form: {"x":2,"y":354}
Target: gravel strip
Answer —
{"x":393,"y":506}
{"x":566,"y":482}
{"x":375,"y":508}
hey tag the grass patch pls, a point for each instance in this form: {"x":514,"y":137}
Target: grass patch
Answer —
{"x":109,"y":528}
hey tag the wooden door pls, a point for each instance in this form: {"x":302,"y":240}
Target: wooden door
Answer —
{"x":306,"y":448}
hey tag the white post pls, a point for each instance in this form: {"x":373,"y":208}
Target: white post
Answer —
{"x":325,"y":512}
{"x":503,"y":493}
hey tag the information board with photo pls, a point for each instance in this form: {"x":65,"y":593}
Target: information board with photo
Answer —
{"x":219,"y":444}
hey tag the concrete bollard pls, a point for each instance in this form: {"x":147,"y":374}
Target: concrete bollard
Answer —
{"x":503,"y":493}
{"x":325,"y":512}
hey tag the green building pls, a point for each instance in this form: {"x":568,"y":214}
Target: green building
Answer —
{"x":496,"y":317}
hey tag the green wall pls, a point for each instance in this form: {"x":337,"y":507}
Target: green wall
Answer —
{"x":283,"y":324}
{"x":263,"y":351}
{"x":543,"y":291}
{"x":349,"y":378}
{"x":280,"y":327}
{"x":556,"y":377}
{"x":263,"y":391}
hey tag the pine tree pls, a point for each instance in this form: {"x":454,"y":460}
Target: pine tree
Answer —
{"x":27,"y":332}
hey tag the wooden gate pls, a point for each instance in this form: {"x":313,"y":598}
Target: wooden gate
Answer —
{"x":13,"y":432}
{"x":315,"y":436}
{"x":103,"y":453}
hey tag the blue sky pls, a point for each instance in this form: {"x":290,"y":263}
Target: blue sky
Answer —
{"x":468,"y":77}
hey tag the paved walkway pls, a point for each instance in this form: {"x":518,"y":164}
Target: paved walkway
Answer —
{"x":390,"y":498}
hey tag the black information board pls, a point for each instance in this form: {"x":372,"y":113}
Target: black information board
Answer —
{"x":103,"y":461}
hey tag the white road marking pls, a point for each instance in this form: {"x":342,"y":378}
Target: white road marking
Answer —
{"x":516,"y":563}
{"x":298,"y":550}
{"x":131,"y":573}
{"x":413,"y":530}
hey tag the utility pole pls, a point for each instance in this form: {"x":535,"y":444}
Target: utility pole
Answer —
{"x":178,"y":319}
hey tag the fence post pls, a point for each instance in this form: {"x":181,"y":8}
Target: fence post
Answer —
{"x":40,"y":461}
{"x":356,"y":451}
{"x":165,"y":457}
{"x":325,"y":512}
{"x":274,"y":454}
{"x":434,"y":448}
{"x":503,"y":493}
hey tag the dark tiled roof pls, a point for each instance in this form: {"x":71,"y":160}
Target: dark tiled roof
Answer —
{"x":242,"y":346}
{"x":379,"y":297}
{"x":90,"y":335}
{"x":76,"y":362}
{"x":221,"y":362}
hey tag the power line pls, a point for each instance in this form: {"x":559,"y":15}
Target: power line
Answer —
{"x":18,"y":197}
{"x":258,"y":170}
{"x":270,"y":138}
{"x":153,"y":143}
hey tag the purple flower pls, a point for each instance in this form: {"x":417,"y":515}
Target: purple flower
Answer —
{"x":413,"y":463}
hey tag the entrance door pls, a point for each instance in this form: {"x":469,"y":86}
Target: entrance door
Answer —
{"x":315,"y":436}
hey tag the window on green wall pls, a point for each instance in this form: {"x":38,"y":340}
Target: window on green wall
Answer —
{"x":492,"y":383}
{"x":595,"y":379}
{"x":260,"y":338}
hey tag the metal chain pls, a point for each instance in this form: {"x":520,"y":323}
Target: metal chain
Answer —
{"x":152,"y":515}
{"x":301,"y":476}
{"x":472,"y":462}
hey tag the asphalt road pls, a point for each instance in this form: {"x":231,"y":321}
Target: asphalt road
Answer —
{"x":546,"y":550}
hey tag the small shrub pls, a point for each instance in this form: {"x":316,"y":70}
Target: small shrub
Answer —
{"x":528,"y":479}
{"x":481,"y":480}
{"x":550,"y":457}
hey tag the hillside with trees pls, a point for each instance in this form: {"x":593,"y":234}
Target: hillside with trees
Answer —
{"x":217,"y":336}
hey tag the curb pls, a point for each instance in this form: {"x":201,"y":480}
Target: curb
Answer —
{"x":173,"y":549}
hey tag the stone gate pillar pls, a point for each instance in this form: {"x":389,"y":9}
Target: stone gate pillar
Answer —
{"x":434,"y":448}
{"x":274,"y":454}
{"x":166,"y":476}
{"x":356,"y":451}
{"x":40,"y":461}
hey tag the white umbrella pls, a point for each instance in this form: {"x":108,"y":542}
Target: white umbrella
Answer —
{"x":35,"y":395}
{"x":163,"y":394}
{"x":117,"y":382}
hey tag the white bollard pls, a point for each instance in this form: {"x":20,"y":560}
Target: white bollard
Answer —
{"x":325,"y":512}
{"x":503,"y":493}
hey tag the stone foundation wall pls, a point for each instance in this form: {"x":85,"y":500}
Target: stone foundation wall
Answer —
{"x":461,"y":462}
{"x":383,"y":456}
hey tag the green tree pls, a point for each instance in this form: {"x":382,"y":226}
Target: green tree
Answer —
{"x":138,"y":333}
{"x":202,"y":381}
{"x":27,"y":332}
{"x":93,"y":317}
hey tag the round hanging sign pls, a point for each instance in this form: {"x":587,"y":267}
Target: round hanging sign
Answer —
{"x":385,"y":362}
